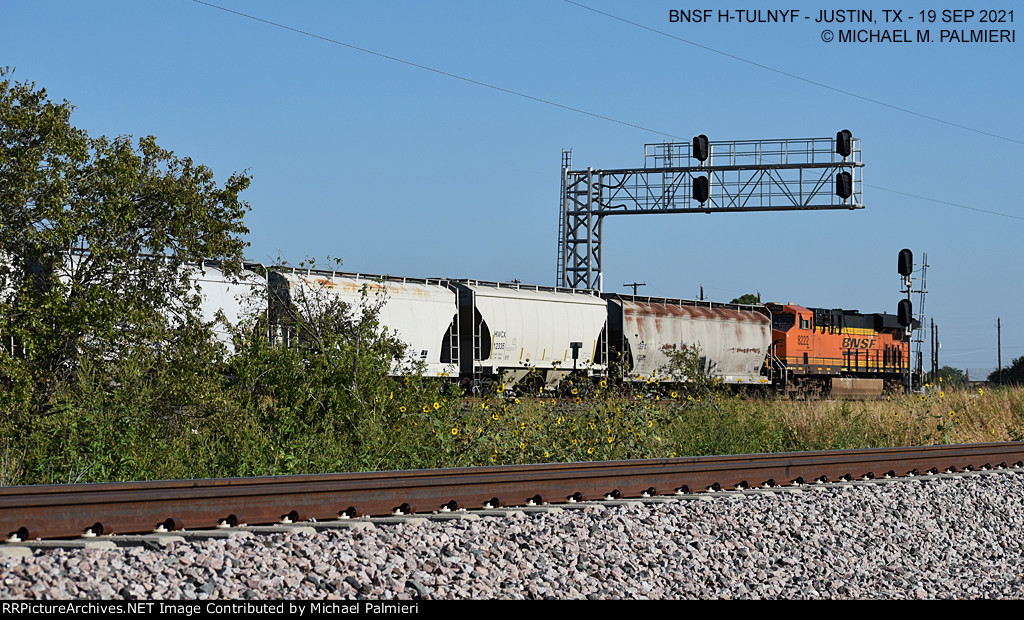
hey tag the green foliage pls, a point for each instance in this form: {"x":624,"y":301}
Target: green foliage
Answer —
{"x":319,"y":383}
{"x":1012,"y":375}
{"x":104,"y":345}
{"x":950,"y":377}
{"x":749,"y":299}
{"x":94,"y":236}
{"x":687,"y":366}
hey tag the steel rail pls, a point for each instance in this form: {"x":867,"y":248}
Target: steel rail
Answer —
{"x":61,"y":511}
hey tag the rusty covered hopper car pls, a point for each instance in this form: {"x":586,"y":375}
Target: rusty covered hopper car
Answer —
{"x":732,"y":340}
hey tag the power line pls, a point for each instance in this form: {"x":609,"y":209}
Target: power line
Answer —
{"x":600,"y":116}
{"x":794,"y":76}
{"x":952,"y":204}
{"x":437,"y":71}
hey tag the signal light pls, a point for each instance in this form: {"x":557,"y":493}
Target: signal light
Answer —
{"x":701,"y":189}
{"x":844,"y":185}
{"x":905,"y":314}
{"x":700,"y":147}
{"x":906,"y":262}
{"x":844,"y":143}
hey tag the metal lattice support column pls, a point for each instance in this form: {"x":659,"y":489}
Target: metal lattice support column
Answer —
{"x":918,"y":338}
{"x":582,"y":232}
{"x":562,"y":249}
{"x":760,"y":175}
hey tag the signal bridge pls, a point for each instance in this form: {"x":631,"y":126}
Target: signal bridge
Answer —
{"x":796,"y":174}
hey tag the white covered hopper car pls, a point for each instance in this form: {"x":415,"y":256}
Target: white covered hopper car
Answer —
{"x":483,"y":332}
{"x":510,"y":331}
{"x":420,"y":312}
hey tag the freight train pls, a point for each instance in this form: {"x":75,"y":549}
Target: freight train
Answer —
{"x":530,"y":337}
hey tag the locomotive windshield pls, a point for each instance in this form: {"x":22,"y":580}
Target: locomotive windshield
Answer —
{"x":782,"y":322}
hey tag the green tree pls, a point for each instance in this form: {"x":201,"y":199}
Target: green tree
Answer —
{"x":96,"y":234}
{"x":1012,"y":375}
{"x":951,"y":377}
{"x":105,"y":347}
{"x":749,"y":298}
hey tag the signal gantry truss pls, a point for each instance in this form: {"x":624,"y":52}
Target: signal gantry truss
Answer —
{"x":797,"y":174}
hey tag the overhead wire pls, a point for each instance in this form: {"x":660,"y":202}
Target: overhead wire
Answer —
{"x":456,"y":76}
{"x":794,"y":76}
{"x":618,"y":121}
{"x":945,"y":202}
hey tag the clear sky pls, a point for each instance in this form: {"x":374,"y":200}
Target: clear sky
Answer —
{"x":403,"y":170}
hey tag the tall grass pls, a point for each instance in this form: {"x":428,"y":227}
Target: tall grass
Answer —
{"x":98,"y":435}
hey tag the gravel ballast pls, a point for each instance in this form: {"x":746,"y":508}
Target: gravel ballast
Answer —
{"x":940,"y":537}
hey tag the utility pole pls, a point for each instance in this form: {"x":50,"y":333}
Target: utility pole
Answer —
{"x":635,"y":286}
{"x":933,"y":351}
{"x":999,"y":346}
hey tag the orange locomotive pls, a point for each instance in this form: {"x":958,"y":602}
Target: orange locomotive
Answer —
{"x":819,"y":352}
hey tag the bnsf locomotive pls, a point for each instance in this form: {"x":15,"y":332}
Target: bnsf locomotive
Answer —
{"x":821,"y":352}
{"x":534,"y":336}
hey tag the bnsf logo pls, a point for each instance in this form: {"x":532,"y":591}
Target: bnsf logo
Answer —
{"x":858,"y":343}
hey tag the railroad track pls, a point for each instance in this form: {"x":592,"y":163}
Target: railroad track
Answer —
{"x":63,"y":511}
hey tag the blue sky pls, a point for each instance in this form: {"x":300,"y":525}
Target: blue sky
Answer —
{"x":400,"y":170}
